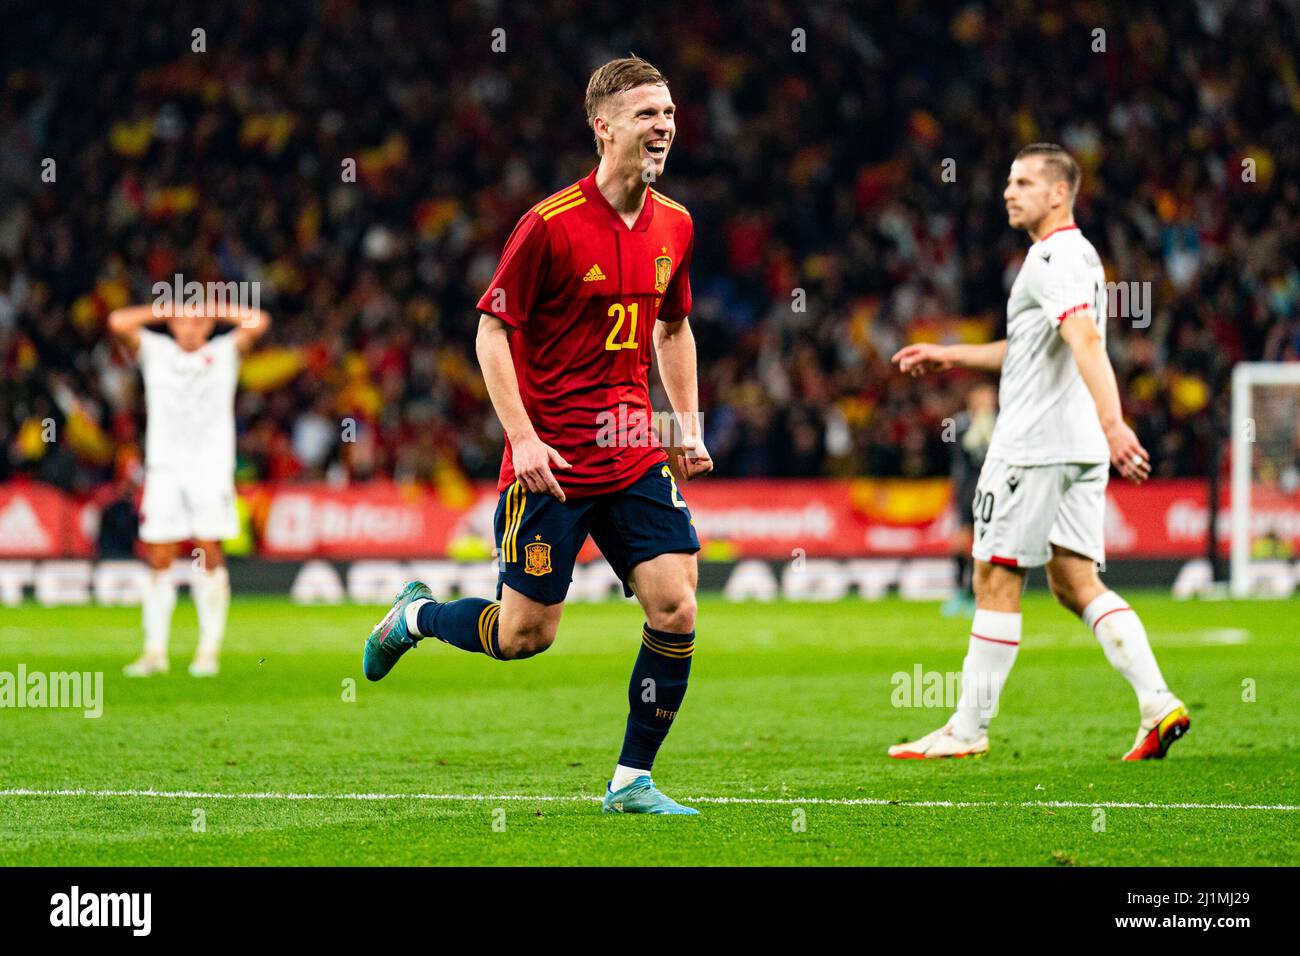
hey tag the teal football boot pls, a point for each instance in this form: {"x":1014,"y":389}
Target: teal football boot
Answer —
{"x":391,"y":638}
{"x":959,"y":605}
{"x":642,"y":796}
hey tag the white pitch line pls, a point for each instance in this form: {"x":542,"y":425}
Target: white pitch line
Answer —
{"x":760,"y":801}
{"x":205,"y":795}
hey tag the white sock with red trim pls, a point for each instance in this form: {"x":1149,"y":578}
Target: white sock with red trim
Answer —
{"x":1124,"y":639}
{"x":994,"y":641}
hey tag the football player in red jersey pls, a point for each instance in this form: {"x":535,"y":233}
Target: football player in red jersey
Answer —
{"x":590,"y":277}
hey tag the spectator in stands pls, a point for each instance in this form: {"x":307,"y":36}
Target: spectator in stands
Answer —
{"x":363,"y":163}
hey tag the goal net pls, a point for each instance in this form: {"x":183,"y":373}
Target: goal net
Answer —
{"x":1265,"y":478}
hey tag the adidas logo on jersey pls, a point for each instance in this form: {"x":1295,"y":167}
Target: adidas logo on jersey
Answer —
{"x":594,"y":275}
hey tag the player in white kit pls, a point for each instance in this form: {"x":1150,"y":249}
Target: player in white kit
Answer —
{"x":189,"y":486}
{"x":1041,"y":496}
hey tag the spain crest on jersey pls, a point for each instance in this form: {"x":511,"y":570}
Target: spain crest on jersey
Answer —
{"x":663,"y":272}
{"x":537,"y":558}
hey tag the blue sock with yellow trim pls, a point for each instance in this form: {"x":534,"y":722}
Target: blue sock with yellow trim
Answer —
{"x":655,"y":693}
{"x":470,"y":624}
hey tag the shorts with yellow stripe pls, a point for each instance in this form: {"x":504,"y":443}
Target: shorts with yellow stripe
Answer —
{"x":538,"y":537}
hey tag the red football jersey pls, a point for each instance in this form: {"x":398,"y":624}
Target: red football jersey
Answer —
{"x":582,"y":292}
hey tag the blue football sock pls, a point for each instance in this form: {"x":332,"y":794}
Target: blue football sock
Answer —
{"x":655,"y":693}
{"x":470,"y":624}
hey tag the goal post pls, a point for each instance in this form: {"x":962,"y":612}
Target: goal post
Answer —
{"x":1265,"y":470}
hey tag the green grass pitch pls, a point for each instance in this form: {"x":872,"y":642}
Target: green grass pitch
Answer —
{"x":789,"y":707}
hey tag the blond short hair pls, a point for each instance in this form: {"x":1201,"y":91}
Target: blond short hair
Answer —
{"x":617,"y":76}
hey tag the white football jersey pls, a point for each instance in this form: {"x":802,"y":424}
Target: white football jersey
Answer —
{"x":190,"y":403}
{"x":1047,"y":415}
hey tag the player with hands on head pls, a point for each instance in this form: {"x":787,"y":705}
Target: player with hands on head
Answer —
{"x":190,"y":378}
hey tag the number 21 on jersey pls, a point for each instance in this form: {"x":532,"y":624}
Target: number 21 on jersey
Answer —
{"x":620,"y":313}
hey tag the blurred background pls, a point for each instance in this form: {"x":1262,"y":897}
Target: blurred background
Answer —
{"x":812,"y":146}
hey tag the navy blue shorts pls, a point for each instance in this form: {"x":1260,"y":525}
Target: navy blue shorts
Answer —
{"x":538,"y":536}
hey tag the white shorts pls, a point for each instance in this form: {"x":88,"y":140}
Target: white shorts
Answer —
{"x":1022,"y":510}
{"x":185,"y":508}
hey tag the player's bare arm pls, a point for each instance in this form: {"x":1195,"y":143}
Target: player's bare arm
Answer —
{"x":250,"y":325}
{"x":124,"y":324}
{"x":675,"y":350}
{"x":924,"y":358}
{"x":1126,"y":453}
{"x":533,"y":458}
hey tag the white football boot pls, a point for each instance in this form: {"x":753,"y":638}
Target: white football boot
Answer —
{"x":941,"y":743}
{"x":204,"y":665}
{"x":146,"y":665}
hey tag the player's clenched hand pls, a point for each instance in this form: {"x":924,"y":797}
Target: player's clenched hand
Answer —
{"x":533,"y":460}
{"x":1127,"y":454}
{"x":694,"y":459}
{"x":922,"y":358}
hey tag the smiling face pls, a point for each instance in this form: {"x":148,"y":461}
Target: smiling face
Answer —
{"x":636,"y":127}
{"x":1033,"y":193}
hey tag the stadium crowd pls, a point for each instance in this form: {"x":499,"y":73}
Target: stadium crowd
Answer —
{"x":844,"y":171}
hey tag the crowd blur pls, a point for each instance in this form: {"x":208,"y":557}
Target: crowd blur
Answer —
{"x":843,"y":164}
